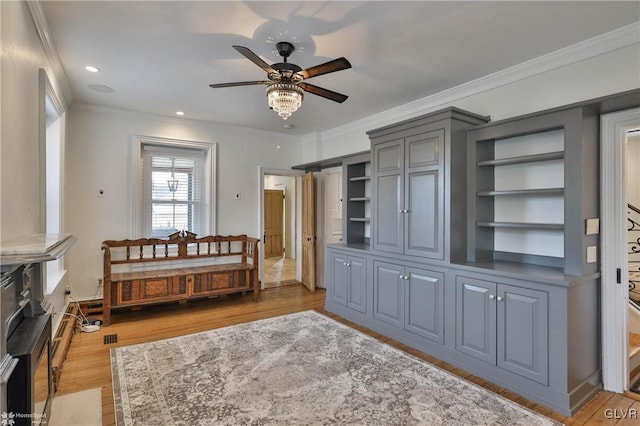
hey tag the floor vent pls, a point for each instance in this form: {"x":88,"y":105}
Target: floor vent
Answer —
{"x":110,"y":338}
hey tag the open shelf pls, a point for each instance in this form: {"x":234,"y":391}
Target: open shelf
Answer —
{"x":518,"y":186}
{"x":542,"y":191}
{"x":547,"y":156}
{"x":522,"y":225}
{"x":360,"y":219}
{"x":357,"y":193}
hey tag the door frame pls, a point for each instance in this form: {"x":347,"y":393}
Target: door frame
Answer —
{"x":615,"y":361}
{"x":266,"y":171}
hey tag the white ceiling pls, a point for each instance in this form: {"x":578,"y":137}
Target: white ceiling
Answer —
{"x":160,"y":56}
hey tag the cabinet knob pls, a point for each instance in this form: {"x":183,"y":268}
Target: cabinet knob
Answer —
{"x":406,"y":277}
{"x":344,"y":264}
{"x":348,"y":265}
{"x":499,"y":298}
{"x":491,"y":296}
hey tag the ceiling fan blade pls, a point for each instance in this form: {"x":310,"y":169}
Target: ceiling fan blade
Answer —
{"x":247,"y":53}
{"x":334,"y":96}
{"x":239,"y":83}
{"x":326,"y":68}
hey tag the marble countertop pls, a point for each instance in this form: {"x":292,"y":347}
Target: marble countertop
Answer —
{"x":35,"y":248}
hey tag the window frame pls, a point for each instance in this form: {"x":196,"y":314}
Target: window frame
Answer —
{"x":51,"y":104}
{"x":136,"y":228}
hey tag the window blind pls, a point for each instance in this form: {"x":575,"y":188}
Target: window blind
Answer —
{"x":174,"y":188}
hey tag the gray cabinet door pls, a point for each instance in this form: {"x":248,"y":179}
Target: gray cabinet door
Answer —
{"x":523,"y":332}
{"x":424,"y":304}
{"x":424,"y":195}
{"x":388,"y":196}
{"x":476,"y":318}
{"x":339,"y":277}
{"x":388,"y":292}
{"x":357,"y":284}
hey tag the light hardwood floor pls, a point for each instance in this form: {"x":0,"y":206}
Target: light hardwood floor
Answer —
{"x":279,"y":271}
{"x":88,"y":362}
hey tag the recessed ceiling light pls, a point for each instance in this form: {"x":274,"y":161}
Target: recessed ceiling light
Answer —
{"x":180,"y":113}
{"x":91,"y":68}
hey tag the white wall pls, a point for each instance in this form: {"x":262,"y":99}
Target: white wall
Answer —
{"x":20,"y":174}
{"x":22,"y":57}
{"x":633,"y":169}
{"x":99,"y":146}
{"x":288,"y":185}
{"x":613,"y":72}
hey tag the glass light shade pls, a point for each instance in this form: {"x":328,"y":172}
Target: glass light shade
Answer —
{"x":172,"y":183}
{"x":284,"y":98}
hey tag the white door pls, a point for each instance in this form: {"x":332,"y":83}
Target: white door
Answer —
{"x":615,"y":128}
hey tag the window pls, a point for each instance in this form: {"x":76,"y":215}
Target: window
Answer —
{"x":175,"y":187}
{"x":173,"y":190}
{"x":52,"y":124}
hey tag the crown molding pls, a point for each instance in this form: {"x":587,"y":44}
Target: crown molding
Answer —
{"x":596,"y":46}
{"x":37,"y":14}
{"x":185,"y":121}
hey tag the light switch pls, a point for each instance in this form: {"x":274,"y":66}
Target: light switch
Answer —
{"x":593,"y":226}
{"x":592,"y":254}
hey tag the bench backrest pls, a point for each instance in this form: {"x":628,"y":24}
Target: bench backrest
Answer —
{"x":176,"y":247}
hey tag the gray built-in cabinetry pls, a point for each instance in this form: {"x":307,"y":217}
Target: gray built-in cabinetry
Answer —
{"x":477,"y":249}
{"x":356,"y":203}
{"x":418,"y":204}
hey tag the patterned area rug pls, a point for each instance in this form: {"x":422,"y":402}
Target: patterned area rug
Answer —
{"x":302,"y":368}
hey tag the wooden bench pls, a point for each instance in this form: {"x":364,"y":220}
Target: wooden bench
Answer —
{"x":182,"y":267}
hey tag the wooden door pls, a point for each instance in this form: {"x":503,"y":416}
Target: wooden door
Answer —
{"x":273,"y":219}
{"x":309,"y":231}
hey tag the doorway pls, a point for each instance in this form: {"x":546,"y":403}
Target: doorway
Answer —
{"x":279,"y":217}
{"x":633,"y":254}
{"x":617,"y":133}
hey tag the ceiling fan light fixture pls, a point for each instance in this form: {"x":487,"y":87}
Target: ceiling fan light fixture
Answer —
{"x":284,"y":98}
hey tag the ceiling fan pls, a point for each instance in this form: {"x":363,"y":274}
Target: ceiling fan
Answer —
{"x":285,"y":84}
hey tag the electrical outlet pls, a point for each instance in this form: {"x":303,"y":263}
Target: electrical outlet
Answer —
{"x":99,"y":281}
{"x":67,"y":289}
